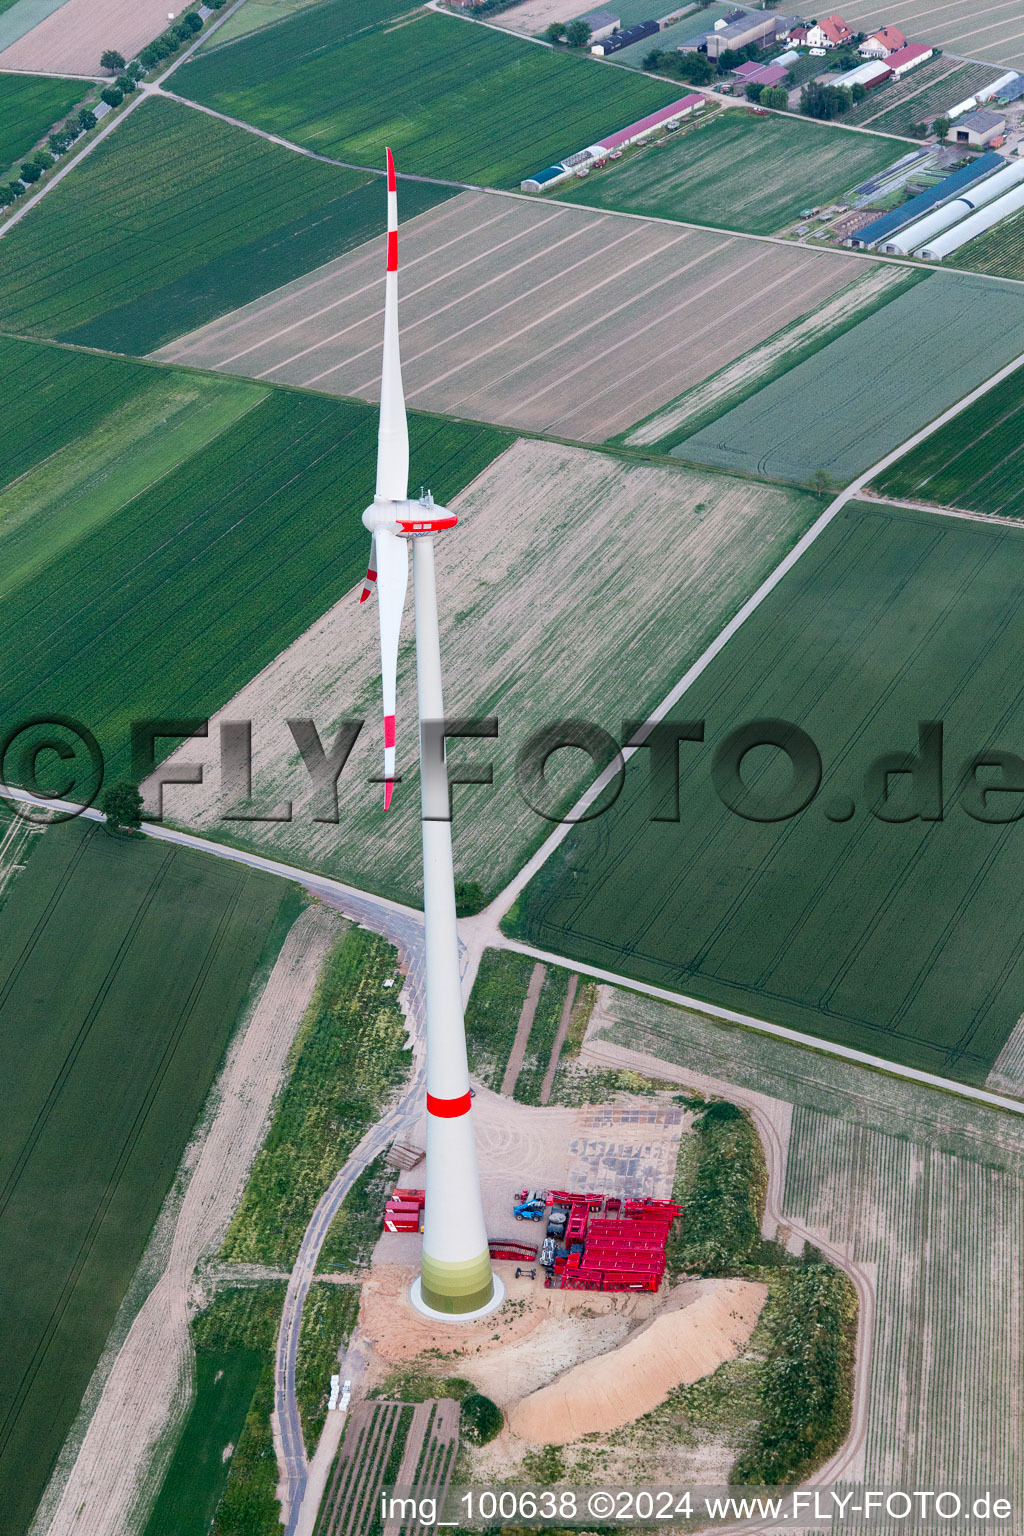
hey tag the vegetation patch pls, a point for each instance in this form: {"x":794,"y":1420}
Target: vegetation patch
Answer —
{"x":452,"y":99}
{"x":492,"y":1014}
{"x":355,"y":1229}
{"x":480,"y":1420}
{"x":999,"y":251}
{"x":174,"y":219}
{"x":716,"y":173}
{"x":124,"y":966}
{"x":347,"y":1059}
{"x":721,"y":1185}
{"x":328,"y":1317}
{"x":542,"y":1035}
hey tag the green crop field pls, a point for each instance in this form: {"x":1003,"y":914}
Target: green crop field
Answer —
{"x":161,"y":604}
{"x":124,"y":966}
{"x":868,"y":391}
{"x":999,"y":251}
{"x":173,"y":220}
{"x":30,"y":105}
{"x":451,"y":99}
{"x":899,"y":938}
{"x":717,"y":173}
{"x":975,"y":461}
{"x":344,"y":17}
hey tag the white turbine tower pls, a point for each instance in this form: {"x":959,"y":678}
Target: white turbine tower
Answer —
{"x":456,"y":1280}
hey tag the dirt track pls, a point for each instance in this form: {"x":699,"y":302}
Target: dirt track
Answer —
{"x":150,"y":1383}
{"x":71,"y":40}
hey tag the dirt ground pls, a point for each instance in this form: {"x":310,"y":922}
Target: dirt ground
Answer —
{"x":70,"y":41}
{"x":533,"y":15}
{"x":149,"y":1385}
{"x":527,"y":314}
{"x":680,"y":1345}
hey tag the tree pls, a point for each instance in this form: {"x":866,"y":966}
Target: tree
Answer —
{"x":44,"y":161}
{"x":776,"y":97}
{"x":86,"y":119}
{"x":940,"y":128}
{"x":857,"y":93}
{"x":694,"y":68}
{"x":469,"y":898}
{"x":30,"y":172}
{"x":122,"y":806}
{"x":111,"y":60}
{"x":752,"y":91}
{"x":111,"y":95}
{"x":479,"y":1419}
{"x":125,"y":84}
{"x":555,"y":31}
{"x":821,"y":482}
{"x":824,"y":101}
{"x":577,"y":33}
{"x":653,"y":59}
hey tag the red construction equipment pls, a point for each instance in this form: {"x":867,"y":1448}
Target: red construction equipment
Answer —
{"x":403,"y":1211}
{"x":410,"y":1196}
{"x":614,"y":1252}
{"x":508,"y":1248}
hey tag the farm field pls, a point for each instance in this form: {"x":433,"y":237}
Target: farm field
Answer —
{"x":19,"y":16}
{"x":174,"y":218}
{"x":545,"y":508}
{"x":974,"y":461}
{"x":717,"y":173}
{"x":278,"y":486}
{"x":29,"y":107}
{"x":533,"y":316}
{"x":975,"y":29}
{"x":999,"y":251}
{"x":863,"y":394}
{"x":932,"y":1210}
{"x":124,"y":969}
{"x":799,"y":339}
{"x":452,"y":99}
{"x":70,"y":39}
{"x":894,"y":937}
{"x":256,"y":14}
{"x":926,"y":92}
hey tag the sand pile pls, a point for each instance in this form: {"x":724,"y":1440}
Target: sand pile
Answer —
{"x":615,"y":1388}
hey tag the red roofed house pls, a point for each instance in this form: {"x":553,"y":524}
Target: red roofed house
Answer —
{"x":905,"y":59}
{"x":830,"y":33}
{"x":886,"y":40}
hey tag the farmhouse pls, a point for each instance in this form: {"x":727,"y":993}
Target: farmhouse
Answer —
{"x":979,"y":128}
{"x":602,"y":24}
{"x":881,"y":43}
{"x":905,"y":59}
{"x":830,"y":33}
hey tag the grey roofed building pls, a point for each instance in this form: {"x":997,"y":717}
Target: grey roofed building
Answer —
{"x":601,"y":24}
{"x":980,"y":120}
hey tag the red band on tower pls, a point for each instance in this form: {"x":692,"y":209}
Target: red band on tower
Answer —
{"x":392,"y":250}
{"x":389,"y":730}
{"x":448,"y":1109}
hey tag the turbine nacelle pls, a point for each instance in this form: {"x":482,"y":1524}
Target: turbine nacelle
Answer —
{"x":408,"y":519}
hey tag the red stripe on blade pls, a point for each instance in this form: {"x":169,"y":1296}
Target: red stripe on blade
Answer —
{"x":392,"y":250}
{"x":389,"y":730}
{"x":389,"y":789}
{"x":448,"y":1109}
{"x":391,"y":171}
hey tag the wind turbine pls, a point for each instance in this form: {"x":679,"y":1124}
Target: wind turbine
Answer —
{"x":456,"y":1280}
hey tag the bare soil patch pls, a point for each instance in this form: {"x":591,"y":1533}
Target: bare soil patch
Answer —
{"x":679,"y":1346}
{"x":71,"y":40}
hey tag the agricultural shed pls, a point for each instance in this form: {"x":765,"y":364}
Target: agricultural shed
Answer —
{"x":905,"y":59}
{"x":767,"y":74}
{"x":546,"y":178}
{"x":635,"y":131}
{"x":869,"y":75}
{"x":871,"y":234}
{"x":1013,"y":90}
{"x":922,"y":230}
{"x":754,"y":27}
{"x":979,"y":128}
{"x":623,"y":39}
{"x":953,"y":239}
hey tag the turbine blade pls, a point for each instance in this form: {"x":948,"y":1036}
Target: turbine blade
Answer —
{"x":370,"y":579}
{"x":392,"y":581}
{"x":393,"y":434}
